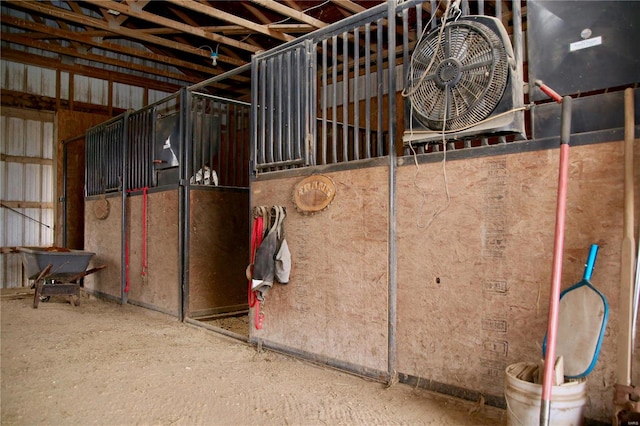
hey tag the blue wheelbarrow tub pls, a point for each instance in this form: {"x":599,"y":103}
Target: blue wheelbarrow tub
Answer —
{"x":65,"y":262}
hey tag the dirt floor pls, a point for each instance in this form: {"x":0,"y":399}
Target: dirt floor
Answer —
{"x":103,"y":363}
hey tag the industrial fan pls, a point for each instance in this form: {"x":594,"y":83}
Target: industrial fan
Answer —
{"x":463,"y":81}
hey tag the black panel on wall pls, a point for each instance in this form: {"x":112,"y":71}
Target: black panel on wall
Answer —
{"x":577,"y":46}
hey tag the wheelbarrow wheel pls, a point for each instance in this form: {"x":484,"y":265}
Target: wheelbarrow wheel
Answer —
{"x":45,"y":298}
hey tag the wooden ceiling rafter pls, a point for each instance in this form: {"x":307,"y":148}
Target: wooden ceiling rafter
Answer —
{"x":145,"y":34}
{"x":123,"y":31}
{"x":78,"y":53}
{"x":101,"y":44}
{"x":291,"y":13}
{"x":228,"y":17}
{"x":182,"y":27}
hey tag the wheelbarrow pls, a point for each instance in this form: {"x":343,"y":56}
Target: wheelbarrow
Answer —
{"x":56,"y":271}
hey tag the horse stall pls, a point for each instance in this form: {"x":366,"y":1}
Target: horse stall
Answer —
{"x":166,"y":206}
{"x":417,"y":256}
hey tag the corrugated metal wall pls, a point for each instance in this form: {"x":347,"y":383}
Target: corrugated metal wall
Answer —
{"x":26,"y":191}
{"x":27,"y":147}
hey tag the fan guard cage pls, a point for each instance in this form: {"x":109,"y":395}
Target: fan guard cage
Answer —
{"x":468,"y":75}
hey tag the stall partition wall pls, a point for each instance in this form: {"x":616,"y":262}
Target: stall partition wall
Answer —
{"x":172,"y":244}
{"x":158,"y":256}
{"x":218,"y":250}
{"x":335,"y":308}
{"x":102,"y":236}
{"x":445,"y":300}
{"x":473,"y":285}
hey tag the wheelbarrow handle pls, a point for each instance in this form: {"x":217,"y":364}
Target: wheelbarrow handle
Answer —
{"x":591,"y":260}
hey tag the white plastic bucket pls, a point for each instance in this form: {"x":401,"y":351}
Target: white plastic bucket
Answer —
{"x":523,"y":401}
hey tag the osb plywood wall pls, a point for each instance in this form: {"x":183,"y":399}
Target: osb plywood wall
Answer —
{"x":102,"y":237}
{"x":160,"y":287}
{"x":473,"y":286}
{"x":218,"y":250}
{"x":335,"y":305}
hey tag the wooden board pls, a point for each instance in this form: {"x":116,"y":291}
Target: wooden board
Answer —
{"x":335,"y":305}
{"x":474,"y":286}
{"x":218,"y":249}
{"x":161,"y":288}
{"x":103,"y":238}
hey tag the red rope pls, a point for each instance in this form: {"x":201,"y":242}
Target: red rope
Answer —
{"x":144,"y":231}
{"x":256,"y":240}
{"x":126,"y":269}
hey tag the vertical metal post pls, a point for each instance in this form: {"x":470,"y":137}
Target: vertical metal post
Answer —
{"x":356,"y":95}
{"x":367,"y":89}
{"x":334,"y":99}
{"x":434,"y":13}
{"x":391,"y":30}
{"x":345,"y":96}
{"x":183,"y":204}
{"x":123,"y":211}
{"x":323,"y":158}
{"x":254,"y":138}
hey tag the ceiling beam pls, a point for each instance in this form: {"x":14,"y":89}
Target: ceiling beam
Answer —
{"x":101,"y":59}
{"x":124,"y":78}
{"x":349,"y":5}
{"x":123,"y":31}
{"x":291,"y":13}
{"x":36,"y":32}
{"x":156,"y":19}
{"x":228,"y":17}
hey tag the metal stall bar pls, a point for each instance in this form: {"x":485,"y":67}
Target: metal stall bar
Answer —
{"x":367,"y":89}
{"x":232,"y":123}
{"x":278,"y":104}
{"x":224,"y":130}
{"x":380,"y":77}
{"x":287,"y":104}
{"x":253,"y":118}
{"x":262,"y":145}
{"x":334,"y":98}
{"x":300,"y":131}
{"x":323,"y":149}
{"x":345,"y":96}
{"x":356,"y":95}
{"x":270,"y":109}
{"x":305,"y":124}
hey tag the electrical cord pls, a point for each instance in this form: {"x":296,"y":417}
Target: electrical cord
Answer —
{"x":406,"y":93}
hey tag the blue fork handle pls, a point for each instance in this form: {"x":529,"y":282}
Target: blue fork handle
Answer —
{"x":591,"y":260}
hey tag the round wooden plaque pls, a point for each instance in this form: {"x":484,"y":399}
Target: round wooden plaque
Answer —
{"x":101,"y":209}
{"x":314,"y":193}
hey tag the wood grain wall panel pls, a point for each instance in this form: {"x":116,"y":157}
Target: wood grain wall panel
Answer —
{"x":473,"y":287}
{"x":161,"y":287}
{"x":335,"y":305}
{"x":218,"y":249}
{"x":103,"y":238}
